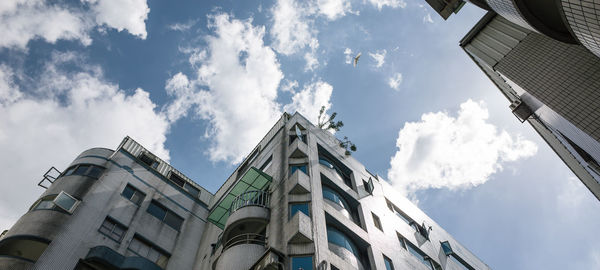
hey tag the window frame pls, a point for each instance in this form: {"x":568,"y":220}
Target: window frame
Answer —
{"x":291,"y":213}
{"x":87,"y":172}
{"x":168,"y":213}
{"x":114,"y":224}
{"x":377,"y":222}
{"x":389,"y":264}
{"x":135,"y":190}
{"x":71,"y":209}
{"x":149,"y":160}
{"x":151,"y":246}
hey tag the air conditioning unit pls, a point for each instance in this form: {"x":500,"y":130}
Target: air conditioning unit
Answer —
{"x":520,"y":110}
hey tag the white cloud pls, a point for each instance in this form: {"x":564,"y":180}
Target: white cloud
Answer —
{"x":182,"y":27}
{"x":378,"y":57}
{"x":334,"y":9}
{"x":309,"y":100}
{"x":311,"y":61}
{"x":348,"y":56}
{"x":289,"y":86}
{"x":25,"y":20}
{"x":453,"y":152}
{"x":395,"y":81}
{"x":427,"y":18}
{"x":122,"y":15}
{"x":291,"y":29}
{"x":379,"y":4}
{"x":235,"y":90}
{"x":45,"y":128}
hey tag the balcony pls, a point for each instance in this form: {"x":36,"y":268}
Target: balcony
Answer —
{"x":241,"y":252}
{"x":249,"y":213}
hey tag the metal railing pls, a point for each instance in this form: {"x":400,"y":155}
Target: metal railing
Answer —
{"x":246,"y":238}
{"x":250,"y":198}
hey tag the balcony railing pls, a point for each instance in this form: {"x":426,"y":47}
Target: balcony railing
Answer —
{"x":250,"y":198}
{"x":246,"y":238}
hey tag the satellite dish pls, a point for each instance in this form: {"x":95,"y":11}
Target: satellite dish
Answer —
{"x":298,"y":132}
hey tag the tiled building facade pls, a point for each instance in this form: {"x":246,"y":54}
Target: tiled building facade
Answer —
{"x":296,"y":202}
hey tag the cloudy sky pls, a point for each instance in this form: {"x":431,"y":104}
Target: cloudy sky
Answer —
{"x":200,"y":82}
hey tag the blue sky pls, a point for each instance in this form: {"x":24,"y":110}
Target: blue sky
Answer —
{"x":200,"y":82}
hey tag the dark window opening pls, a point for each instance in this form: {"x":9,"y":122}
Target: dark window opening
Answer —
{"x":146,"y":159}
{"x":23,"y":247}
{"x":299,"y":207}
{"x":133,"y":194}
{"x":165,"y":215}
{"x":149,"y":251}
{"x":301,"y":167}
{"x":112,"y":229}
{"x":377,"y":222}
{"x":89,"y":170}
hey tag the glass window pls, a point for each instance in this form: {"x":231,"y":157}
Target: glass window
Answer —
{"x":333,"y":196}
{"x":149,"y":160}
{"x":326,"y":163}
{"x":66,"y":202}
{"x":446,"y":248}
{"x":149,"y":251}
{"x":173,"y":220}
{"x":457,"y":261}
{"x":47,"y":202}
{"x":133,"y":194}
{"x":388,"y":263}
{"x":267,"y":164}
{"x":157,"y":210}
{"x":70,"y":171}
{"x":401,"y":240}
{"x":192,"y":190}
{"x":340,"y":239}
{"x":302,"y":263}
{"x":398,"y":212}
{"x":301,"y":167}
{"x":112,"y":229}
{"x":177,"y":179}
{"x":418,"y":254}
{"x":27,"y":248}
{"x":95,"y":172}
{"x":377,"y":222}
{"x":81,"y":170}
{"x":165,"y":215}
{"x":299,"y":207}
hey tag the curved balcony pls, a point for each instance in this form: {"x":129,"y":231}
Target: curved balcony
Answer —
{"x":241,"y":251}
{"x":249,"y":213}
{"x":250,"y":198}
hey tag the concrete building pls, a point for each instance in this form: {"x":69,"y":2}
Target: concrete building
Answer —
{"x":574,"y":22}
{"x":550,"y":84}
{"x":296,"y":202}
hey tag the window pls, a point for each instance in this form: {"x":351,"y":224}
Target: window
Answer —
{"x":112,"y":229}
{"x":302,"y":263}
{"x":421,"y":229}
{"x":62,"y":201}
{"x":165,"y":215}
{"x":267,"y":164}
{"x":340,"y":204}
{"x":388,"y":263}
{"x":340,"y":239}
{"x":419,"y":255}
{"x":149,"y":251}
{"x":334,"y":268}
{"x":133,"y":194}
{"x":456,"y":260}
{"x":299,"y":207}
{"x":66,"y":202}
{"x":401,"y":240}
{"x":337,"y":172}
{"x":301,"y":167}
{"x":178,"y":180}
{"x":368,"y":186}
{"x":242,"y":169}
{"x":23,"y":247}
{"x":377,"y":222}
{"x":297,"y":133}
{"x":398,"y":212}
{"x":89,"y":170}
{"x":45,"y":203}
{"x":148,"y":160}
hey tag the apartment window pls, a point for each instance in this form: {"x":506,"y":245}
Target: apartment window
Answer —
{"x":419,"y":255}
{"x":334,"y":268}
{"x":89,"y":170}
{"x":133,"y":194}
{"x":368,"y":186}
{"x":388,"y":263}
{"x":401,"y":240}
{"x":242,"y":169}
{"x":299,"y":207}
{"x":338,"y":238}
{"x":267,"y":164}
{"x":66,"y":202}
{"x":23,"y":247}
{"x":149,"y":251}
{"x":178,"y":180}
{"x":377,"y":222}
{"x":297,"y":133}
{"x":456,"y":260}
{"x":62,"y":201}
{"x":165,"y":215}
{"x":148,"y":160}
{"x":301,"y":167}
{"x":112,"y":229}
{"x":337,"y":172}
{"x":398,"y":212}
{"x":302,"y":263}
